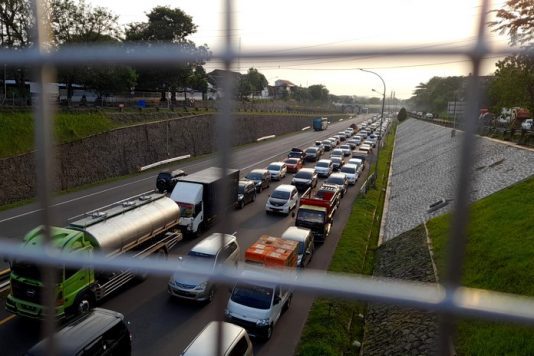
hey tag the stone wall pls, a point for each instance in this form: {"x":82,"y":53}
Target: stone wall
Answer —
{"x":123,"y":151}
{"x":392,"y":330}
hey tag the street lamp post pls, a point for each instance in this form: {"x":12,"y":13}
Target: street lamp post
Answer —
{"x":381,"y":118}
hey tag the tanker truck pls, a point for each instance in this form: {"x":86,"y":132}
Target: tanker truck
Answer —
{"x":139,"y":226}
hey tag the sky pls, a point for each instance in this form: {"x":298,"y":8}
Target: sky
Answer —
{"x":289,"y":26}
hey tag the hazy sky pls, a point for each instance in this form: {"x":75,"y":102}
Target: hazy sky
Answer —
{"x":293,"y":25}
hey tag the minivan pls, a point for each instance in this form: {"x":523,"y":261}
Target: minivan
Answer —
{"x":235,"y":341}
{"x":204,"y":256}
{"x":283,"y":199}
{"x":306,"y":243}
{"x":98,"y":332}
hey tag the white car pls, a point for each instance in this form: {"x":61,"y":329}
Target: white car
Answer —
{"x":370,"y":142}
{"x":351,"y":171}
{"x":346,"y":149}
{"x":337,"y":152}
{"x":324,"y":168}
{"x":278,"y":170}
{"x":366,"y":148}
{"x":283,"y":199}
{"x":358,"y":162}
{"x":528,"y":124}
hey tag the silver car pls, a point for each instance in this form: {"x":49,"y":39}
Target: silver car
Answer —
{"x":204,"y":256}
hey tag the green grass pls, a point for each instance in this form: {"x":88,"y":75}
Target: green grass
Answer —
{"x":334,"y":324}
{"x":499,"y":256}
{"x":17,"y":137}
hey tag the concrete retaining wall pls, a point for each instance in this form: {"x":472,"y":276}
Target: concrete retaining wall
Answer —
{"x":123,"y":151}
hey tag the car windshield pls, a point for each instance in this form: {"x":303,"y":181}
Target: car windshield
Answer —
{"x":292,"y":161}
{"x":256,"y":297}
{"x":337,"y":152}
{"x":280,"y":194}
{"x":274,"y":167}
{"x":335,"y":180}
{"x":345,"y":147}
{"x":200,"y":255}
{"x":303,"y":175}
{"x":254,"y":176}
{"x":327,"y":142}
{"x":350,"y":170}
{"x":310,"y":216}
{"x":322,"y":164}
{"x":164,"y":175}
{"x":336,"y":160}
{"x":311,"y":151}
{"x":186,"y":209}
{"x":241,"y":189}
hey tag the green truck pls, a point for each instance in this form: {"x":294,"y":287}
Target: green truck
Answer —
{"x":139,"y":227}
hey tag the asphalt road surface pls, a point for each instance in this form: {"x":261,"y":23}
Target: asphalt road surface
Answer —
{"x":160,"y":325}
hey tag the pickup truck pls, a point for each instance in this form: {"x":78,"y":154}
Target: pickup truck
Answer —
{"x":317,"y":212}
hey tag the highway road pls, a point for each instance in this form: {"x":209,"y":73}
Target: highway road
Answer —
{"x":160,"y":325}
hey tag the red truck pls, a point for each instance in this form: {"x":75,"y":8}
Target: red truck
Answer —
{"x":317,"y":212}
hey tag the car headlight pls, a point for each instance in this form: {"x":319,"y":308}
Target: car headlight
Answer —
{"x":201,"y":286}
{"x":263,"y":322}
{"x":240,"y":197}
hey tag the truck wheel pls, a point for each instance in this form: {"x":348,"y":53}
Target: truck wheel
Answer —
{"x":84,"y":303}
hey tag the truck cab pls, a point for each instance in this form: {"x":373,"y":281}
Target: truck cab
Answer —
{"x":188,"y":196}
{"x":316,"y":212}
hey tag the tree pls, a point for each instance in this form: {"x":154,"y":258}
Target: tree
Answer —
{"x":167,"y":26}
{"x":16,"y":21}
{"x":318,"y":92}
{"x":516,"y":18}
{"x":78,"y":23}
{"x":514,"y":77}
{"x":257,"y":81}
{"x":402,"y":115}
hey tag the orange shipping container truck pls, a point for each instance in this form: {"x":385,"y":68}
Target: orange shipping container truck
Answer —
{"x":273,"y":251}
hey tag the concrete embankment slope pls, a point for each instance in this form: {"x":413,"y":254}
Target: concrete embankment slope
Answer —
{"x":424,"y":166}
{"x":424,"y":169}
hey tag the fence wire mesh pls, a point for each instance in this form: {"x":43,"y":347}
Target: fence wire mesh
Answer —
{"x":449,"y":299}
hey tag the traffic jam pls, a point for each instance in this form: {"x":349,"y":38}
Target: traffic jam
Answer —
{"x":183,"y":206}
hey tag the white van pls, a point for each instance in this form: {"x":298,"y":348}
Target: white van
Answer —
{"x":257,"y":307}
{"x":235,"y":341}
{"x":306,"y":243}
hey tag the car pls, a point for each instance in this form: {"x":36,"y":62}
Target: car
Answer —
{"x":215,"y":250}
{"x":358,"y":162}
{"x":166,"y":180}
{"x":342,"y":138}
{"x":528,"y":124}
{"x":312,"y":154}
{"x":305,"y":239}
{"x":364,"y":156}
{"x":283,"y":199}
{"x":235,"y":341}
{"x":293,"y":164}
{"x":339,"y":179}
{"x":337,"y":152}
{"x":346,"y":149}
{"x":358,"y":140}
{"x":365,"y":147}
{"x":351,"y":171}
{"x":296,"y":153}
{"x":304,"y":179}
{"x":261,"y":177}
{"x":327,"y":145}
{"x":278,"y":170}
{"x":370,"y":142}
{"x":97,"y":332}
{"x":319,"y":145}
{"x":352,"y":143}
{"x":343,"y":134}
{"x":337,"y":161}
{"x":335,"y":140}
{"x":246,"y":193}
{"x":363,"y":134}
{"x":324,"y":167}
